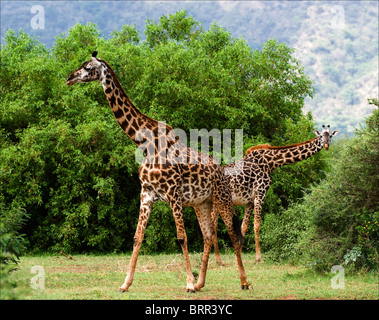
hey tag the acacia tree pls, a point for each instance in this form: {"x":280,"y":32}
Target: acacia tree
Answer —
{"x":65,"y":161}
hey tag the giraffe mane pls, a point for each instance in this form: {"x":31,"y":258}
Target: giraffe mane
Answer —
{"x":115,"y":79}
{"x":268,"y":147}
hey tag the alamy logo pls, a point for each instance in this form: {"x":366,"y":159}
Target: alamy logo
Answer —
{"x":338,"y":17}
{"x":338,"y":281}
{"x":168,"y":147}
{"x":38,"y":20}
{"x":38,"y":281}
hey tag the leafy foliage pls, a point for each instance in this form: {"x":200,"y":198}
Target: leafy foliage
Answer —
{"x":337,"y":223}
{"x":65,"y":162}
{"x":321,"y":31}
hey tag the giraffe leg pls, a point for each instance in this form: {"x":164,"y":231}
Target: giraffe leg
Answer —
{"x":222,"y":202}
{"x":245,"y":223}
{"x":203,"y":213}
{"x":176,"y":207}
{"x":145,"y":209}
{"x":246,"y":218}
{"x":257,"y":228}
{"x":259,"y":196}
{"x":215,"y":215}
{"x":237,"y":247}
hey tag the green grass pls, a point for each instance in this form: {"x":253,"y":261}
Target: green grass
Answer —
{"x":164,"y":277}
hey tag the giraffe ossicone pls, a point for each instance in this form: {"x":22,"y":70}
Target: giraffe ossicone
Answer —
{"x":250,"y":179}
{"x":202,"y":185}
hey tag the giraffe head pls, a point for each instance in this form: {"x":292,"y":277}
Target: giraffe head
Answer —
{"x":91,"y":70}
{"x":326,"y":136}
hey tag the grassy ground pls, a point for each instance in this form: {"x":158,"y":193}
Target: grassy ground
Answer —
{"x":164,"y":277}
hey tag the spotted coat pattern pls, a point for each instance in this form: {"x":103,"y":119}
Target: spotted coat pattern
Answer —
{"x":179,"y":179}
{"x":250,"y":179}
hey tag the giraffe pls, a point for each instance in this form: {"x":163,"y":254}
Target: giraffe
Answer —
{"x":170,"y":172}
{"x":250,"y":177}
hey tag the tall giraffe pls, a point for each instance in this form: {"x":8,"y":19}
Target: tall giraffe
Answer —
{"x":250,"y":177}
{"x":171,"y":172}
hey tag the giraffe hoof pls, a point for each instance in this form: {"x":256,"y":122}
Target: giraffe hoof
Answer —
{"x":190,"y":290}
{"x":245,"y":287}
{"x":198,"y":287}
{"x":122,"y":290}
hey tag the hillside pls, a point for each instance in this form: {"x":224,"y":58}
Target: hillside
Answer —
{"x":337,"y":42}
{"x":343,"y":61}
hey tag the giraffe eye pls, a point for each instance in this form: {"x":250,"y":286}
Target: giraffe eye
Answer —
{"x":87,"y":68}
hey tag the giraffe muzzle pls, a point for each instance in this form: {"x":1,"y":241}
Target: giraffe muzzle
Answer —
{"x":326,"y":146}
{"x":70,"y":80}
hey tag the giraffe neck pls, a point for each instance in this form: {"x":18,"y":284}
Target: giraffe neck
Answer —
{"x":130,"y":119}
{"x":280,"y":156}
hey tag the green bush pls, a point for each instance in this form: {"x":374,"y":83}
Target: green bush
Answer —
{"x":12,"y":246}
{"x":65,"y":162}
{"x":281,"y":233}
{"x":12,"y":241}
{"x":337,"y":222}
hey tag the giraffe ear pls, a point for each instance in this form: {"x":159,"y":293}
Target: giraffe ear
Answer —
{"x":317,"y":133}
{"x":335,"y":132}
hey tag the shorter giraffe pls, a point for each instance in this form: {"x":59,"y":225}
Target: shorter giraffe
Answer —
{"x":250,"y":179}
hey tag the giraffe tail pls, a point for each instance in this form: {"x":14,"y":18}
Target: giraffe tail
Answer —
{"x":237,"y":230}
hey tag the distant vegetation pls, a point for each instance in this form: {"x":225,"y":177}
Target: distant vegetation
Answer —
{"x":337,"y":42}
